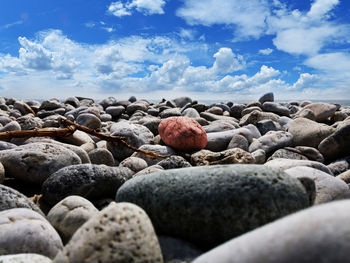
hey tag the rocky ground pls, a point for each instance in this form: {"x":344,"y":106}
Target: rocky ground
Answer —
{"x":255,"y":182}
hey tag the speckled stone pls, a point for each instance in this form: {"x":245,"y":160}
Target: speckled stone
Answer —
{"x":119,"y":233}
{"x":209,"y":205}
{"x":272,"y":141}
{"x":173,"y":162}
{"x":25,"y":258}
{"x":70,"y":214}
{"x":25,"y":231}
{"x":86,"y":180}
{"x":158,"y":149}
{"x":322,"y":111}
{"x":2,"y":173}
{"x":11,"y":198}
{"x":35,"y":162}
{"x":317,"y":234}
{"x":101,"y":156}
{"x":256,"y":116}
{"x":135,"y":164}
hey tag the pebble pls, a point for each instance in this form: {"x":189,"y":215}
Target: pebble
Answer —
{"x":182,"y":133}
{"x":25,"y":231}
{"x":271,"y":141}
{"x":256,"y":116}
{"x":162,"y":150}
{"x":238,"y":141}
{"x":187,"y":202}
{"x":266,"y":97}
{"x":35,"y":162}
{"x":284,"y":164}
{"x":101,"y":156}
{"x":90,"y":181}
{"x":25,"y":258}
{"x":89,"y":120}
{"x":316,"y":234}
{"x":70,"y":214}
{"x":321,"y":111}
{"x":121,"y":232}
{"x":276,"y":108}
{"x":134,"y":163}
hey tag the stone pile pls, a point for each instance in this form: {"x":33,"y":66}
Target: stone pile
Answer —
{"x":231,"y":182}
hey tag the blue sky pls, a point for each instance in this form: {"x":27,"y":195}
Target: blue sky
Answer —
{"x":207,"y":49}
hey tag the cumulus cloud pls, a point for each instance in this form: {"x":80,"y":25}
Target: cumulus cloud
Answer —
{"x":226,"y":61}
{"x":147,"y":7}
{"x":266,"y":51}
{"x":305,"y":81}
{"x":247,"y":16}
{"x":320,"y":8}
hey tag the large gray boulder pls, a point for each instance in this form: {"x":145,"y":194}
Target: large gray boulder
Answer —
{"x":212,"y":204}
{"x":317,"y":234}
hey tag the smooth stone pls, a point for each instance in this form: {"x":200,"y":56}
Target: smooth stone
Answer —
{"x":87,"y":180}
{"x":229,"y":156}
{"x":2,"y":173}
{"x":191,"y":113}
{"x":89,"y":120}
{"x":311,"y":153}
{"x":220,"y":125}
{"x":182,"y":133}
{"x":23,"y":107}
{"x":322,"y":111}
{"x":250,"y":109}
{"x":75,"y":112}
{"x":223,"y":106}
{"x":72,"y":101}
{"x":287,"y":154}
{"x":215,"y":110}
{"x":200,"y":107}
{"x":285,"y":164}
{"x":25,"y":258}
{"x":11,"y":198}
{"x":137,"y":105}
{"x":256,"y":116}
{"x":337,"y":144}
{"x":236,"y":110}
{"x":307,"y":132}
{"x":182,"y":101}
{"x":150,"y":169}
{"x":238,"y":141}
{"x":213,"y":117}
{"x":105,"y":117}
{"x":265,"y":126}
{"x":70,"y":214}
{"x":101,"y":156}
{"x":121,"y":232}
{"x":173,"y":162}
{"x":152,"y":124}
{"x":276,"y":108}
{"x":115,"y":111}
{"x":316,"y":234}
{"x":177,"y":250}
{"x":266,"y":97}
{"x":170,"y":104}
{"x":271,"y":141}
{"x":161,"y":150}
{"x":328,"y":187}
{"x":134,"y":163}
{"x":25,"y":231}
{"x":108,"y":102}
{"x":4,"y":120}
{"x":170,"y":113}
{"x":339,"y":166}
{"x":11,"y":126}
{"x":345,"y":176}
{"x":29,"y":122}
{"x":35,"y":162}
{"x":50,"y":105}
{"x":199,"y":203}
{"x":135,"y":135}
{"x":259,"y":156}
{"x":77,"y":138}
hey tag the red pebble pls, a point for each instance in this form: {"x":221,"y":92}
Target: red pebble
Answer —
{"x":182,"y":133}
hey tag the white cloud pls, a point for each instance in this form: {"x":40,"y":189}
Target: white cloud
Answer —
{"x":305,"y":81}
{"x":187,"y":33}
{"x":227,"y":62}
{"x":147,"y":7}
{"x":266,"y":51}
{"x":118,"y":9}
{"x":7,"y":26}
{"x":320,"y":8}
{"x":330,"y":62}
{"x":248,"y":16}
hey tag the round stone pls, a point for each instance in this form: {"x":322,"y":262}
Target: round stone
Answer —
{"x":182,"y":133}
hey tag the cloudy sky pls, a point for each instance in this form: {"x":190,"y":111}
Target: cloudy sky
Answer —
{"x":207,"y":49}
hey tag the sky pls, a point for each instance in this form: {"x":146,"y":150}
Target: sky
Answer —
{"x":153,"y":49}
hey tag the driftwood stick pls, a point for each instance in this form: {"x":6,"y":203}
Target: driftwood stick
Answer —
{"x":46,"y":132}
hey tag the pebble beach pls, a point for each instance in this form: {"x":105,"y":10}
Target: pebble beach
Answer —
{"x":174,"y":181}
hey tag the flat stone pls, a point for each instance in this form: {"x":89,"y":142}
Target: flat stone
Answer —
{"x":210,"y":205}
{"x":213,"y":117}
{"x":307,"y":132}
{"x":72,"y":101}
{"x":316,"y":234}
{"x":285,"y":164}
{"x":265,"y":126}
{"x":115,"y":111}
{"x":101,"y":156}
{"x":35,"y":162}
{"x":220,"y":125}
{"x":256,"y":116}
{"x":25,"y":231}
{"x":135,"y":164}
{"x":86,"y":180}
{"x":272,"y":141}
{"x":150,"y":169}
{"x":275,"y":108}
{"x":11,"y":198}
{"x":321,"y":111}
{"x":170,"y":113}
{"x":70,"y":214}
{"x":311,"y":153}
{"x":287,"y":154}
{"x":161,"y":150}
{"x":119,"y":233}
{"x":238,"y":141}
